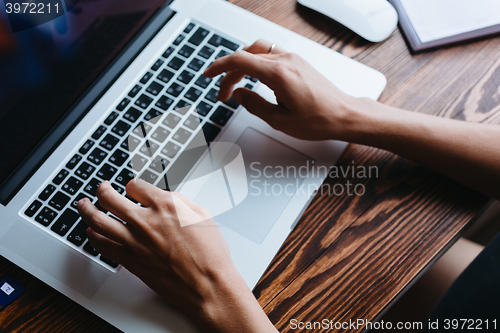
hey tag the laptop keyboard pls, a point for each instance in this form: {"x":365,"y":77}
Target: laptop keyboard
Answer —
{"x":148,"y":133}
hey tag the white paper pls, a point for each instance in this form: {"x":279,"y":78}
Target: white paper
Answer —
{"x":436,"y":19}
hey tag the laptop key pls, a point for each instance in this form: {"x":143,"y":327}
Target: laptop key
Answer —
{"x":153,"y":116}
{"x":186,"y":51}
{"x":143,"y":101}
{"x":232,"y":103}
{"x":203,"y":108}
{"x":176,"y":63}
{"x":86,"y":146}
{"x":124,"y":177}
{"x":72,"y":185}
{"x":165,"y":75}
{"x":97,"y":156}
{"x":159,"y":164}
{"x":59,"y":200}
{"x":160,"y":134}
{"x":206,"y":52}
{"x":90,"y":250}
{"x":47,"y":192}
{"x":254,"y":80}
{"x":142,"y":130}
{"x":149,"y":177}
{"x":219,"y":81}
{"x":99,"y":132}
{"x":109,"y":261}
{"x":135,"y":90}
{"x":217,"y":40}
{"x":198,"y":36}
{"x":249,"y":86}
{"x":164,"y":102}
{"x":118,"y":158}
{"x":222,"y":53}
{"x":132,"y":115}
{"x":60,"y":177}
{"x":193,"y":94}
{"x":79,"y":234}
{"x":73,"y":162}
{"x":196,"y":64}
{"x":212,"y":95}
{"x":111,"y":118}
{"x":65,"y":222}
{"x":79,"y":197}
{"x":106,"y":172}
{"x":182,"y":135}
{"x":171,"y":120}
{"x":130,"y":143}
{"x":170,"y":150}
{"x":185,"y":77}
{"x":168,"y":52}
{"x":221,"y":116}
{"x":192,"y":122}
{"x":157,"y":65}
{"x":91,"y":187}
{"x":146,"y":77}
{"x":211,"y":132}
{"x":203,"y":81}
{"x":118,"y":188}
{"x":182,"y":107}
{"x":189,"y":28}
{"x":46,"y":216}
{"x":155,"y":88}
{"x":175,"y":89}
{"x":179,"y":39}
{"x":149,"y":148}
{"x":85,"y":171}
{"x":109,"y":142}
{"x":123,"y":104}
{"x":137,"y":163}
{"x":33,"y":208}
{"x":120,"y":128}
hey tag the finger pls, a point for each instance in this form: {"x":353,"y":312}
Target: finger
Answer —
{"x":108,"y":248}
{"x":248,"y":63}
{"x":145,"y":193}
{"x":227,"y":84}
{"x":117,"y":204}
{"x":263,"y":46}
{"x":104,"y":224}
{"x":258,"y":106}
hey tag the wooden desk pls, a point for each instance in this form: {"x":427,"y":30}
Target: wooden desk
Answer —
{"x":349,"y":256}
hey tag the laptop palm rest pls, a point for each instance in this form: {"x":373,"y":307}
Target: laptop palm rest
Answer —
{"x":54,"y":259}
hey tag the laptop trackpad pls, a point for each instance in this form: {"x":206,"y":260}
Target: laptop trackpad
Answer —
{"x":274,"y":172}
{"x":55,"y":259}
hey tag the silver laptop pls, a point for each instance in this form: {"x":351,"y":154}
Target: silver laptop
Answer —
{"x":113,"y":90}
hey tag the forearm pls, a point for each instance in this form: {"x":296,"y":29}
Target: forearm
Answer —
{"x":466,"y":152}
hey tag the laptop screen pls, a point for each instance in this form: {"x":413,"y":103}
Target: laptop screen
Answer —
{"x":45,"y":67}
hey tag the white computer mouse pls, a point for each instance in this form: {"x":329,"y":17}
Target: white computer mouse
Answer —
{"x":374,"y":20}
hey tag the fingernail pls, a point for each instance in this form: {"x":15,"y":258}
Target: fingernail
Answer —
{"x":80,"y":203}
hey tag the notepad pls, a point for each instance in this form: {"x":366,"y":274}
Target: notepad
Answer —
{"x":431,"y":23}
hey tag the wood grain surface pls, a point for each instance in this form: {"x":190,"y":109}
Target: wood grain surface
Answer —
{"x":349,"y":256}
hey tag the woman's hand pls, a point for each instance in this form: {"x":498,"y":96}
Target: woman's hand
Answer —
{"x":188,"y":266}
{"x":309,"y":106}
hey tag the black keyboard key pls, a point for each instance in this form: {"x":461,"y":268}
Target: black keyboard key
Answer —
{"x":232,"y":103}
{"x":47,"y":192}
{"x":123,"y":104}
{"x":124,"y":177}
{"x":192,"y":122}
{"x":196,"y":64}
{"x":91,"y":187}
{"x":33,"y":208}
{"x":149,"y":177}
{"x":109,"y":261}
{"x":198,"y":36}
{"x":186,"y":51}
{"x":99,"y":132}
{"x":193,"y":94}
{"x":90,"y":250}
{"x":212,"y":95}
{"x":73,"y":162}
{"x":254,"y":80}
{"x":137,"y":162}
{"x":157,"y":65}
{"x":146,"y":77}
{"x":221,"y":116}
{"x":79,"y":234}
{"x":121,"y":128}
{"x":60,"y":177}
{"x":185,"y":77}
{"x":170,"y":150}
{"x":153,"y":116}
{"x":179,"y":39}
{"x":203,"y":108}
{"x":85,"y":171}
{"x":189,"y":28}
{"x":171,"y":120}
{"x":143,"y":101}
{"x":182,"y":135}
{"x":203,"y":81}
{"x":118,"y":188}
{"x":119,"y":157}
{"x":248,"y":86}
{"x":176,"y":63}
{"x":45,"y":216}
{"x":217,"y":40}
{"x":72,"y":185}
{"x":222,"y":53}
{"x":130,"y":143}
{"x":135,"y":90}
{"x":87,"y":145}
{"x":164,"y":102}
{"x":175,"y":89}
{"x":206,"y":52}
{"x":109,"y":142}
{"x":160,"y":134}
{"x":106,"y":172}
{"x":149,"y":148}
{"x":182,"y":107}
{"x":59,"y":200}
{"x":97,"y":156}
{"x":65,"y":222}
{"x":210,"y":131}
{"x":165,"y":75}
{"x":219,"y":81}
{"x":155,"y":88}
{"x":79,"y":197}
{"x":132,"y":115}
{"x":142,"y":130}
{"x":111,"y":118}
{"x":168,"y":52}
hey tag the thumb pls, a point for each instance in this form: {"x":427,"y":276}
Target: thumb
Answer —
{"x":257,"y":105}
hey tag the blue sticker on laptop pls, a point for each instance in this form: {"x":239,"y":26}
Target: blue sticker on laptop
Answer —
{"x":10,"y":290}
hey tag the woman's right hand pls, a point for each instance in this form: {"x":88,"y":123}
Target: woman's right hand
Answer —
{"x":309,"y":106}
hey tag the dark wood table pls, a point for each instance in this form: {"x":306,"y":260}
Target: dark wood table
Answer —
{"x":349,"y":256}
